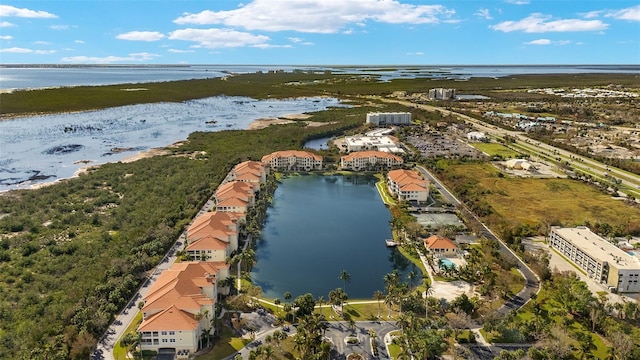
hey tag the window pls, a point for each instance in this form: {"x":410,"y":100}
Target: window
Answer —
{"x":164,"y":333}
{"x":172,"y":340}
{"x":164,"y":340}
{"x":172,"y":332}
{"x":155,"y":334}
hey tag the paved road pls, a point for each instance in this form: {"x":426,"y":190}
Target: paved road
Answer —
{"x":628,"y":179}
{"x":532,"y":282}
{"x":106,"y":344}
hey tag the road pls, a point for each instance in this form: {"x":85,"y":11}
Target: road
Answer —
{"x":532,"y":282}
{"x":106,"y":344}
{"x":629,"y":180}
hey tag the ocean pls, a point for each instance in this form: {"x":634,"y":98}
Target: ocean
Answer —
{"x":15,"y":77}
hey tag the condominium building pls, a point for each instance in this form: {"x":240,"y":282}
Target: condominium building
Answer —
{"x":408,"y":185}
{"x":370,"y":160}
{"x":179,"y":306}
{"x":390,"y":118}
{"x":380,"y":143}
{"x":602,"y":261}
{"x":293,"y":160}
{"x":442,"y":94}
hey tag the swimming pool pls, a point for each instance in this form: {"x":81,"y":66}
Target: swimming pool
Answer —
{"x":445,"y":263}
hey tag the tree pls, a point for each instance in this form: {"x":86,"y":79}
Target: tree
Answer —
{"x":337,"y":297}
{"x":305,"y":304}
{"x":378,"y":295}
{"x":344,"y":276}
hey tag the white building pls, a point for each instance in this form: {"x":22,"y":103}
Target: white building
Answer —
{"x":408,"y":185}
{"x":395,"y":118}
{"x":442,"y":94}
{"x":477,"y":136}
{"x":602,"y":261}
{"x":380,"y":143}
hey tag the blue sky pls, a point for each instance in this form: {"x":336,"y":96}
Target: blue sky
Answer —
{"x":320,"y":32}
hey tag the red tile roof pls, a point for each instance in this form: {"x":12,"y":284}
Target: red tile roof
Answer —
{"x":439,"y":242}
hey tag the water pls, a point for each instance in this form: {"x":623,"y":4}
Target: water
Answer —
{"x":34,"y":77}
{"x":318,"y":144}
{"x":318,"y":226}
{"x":41,"y":149}
{"x":446,"y":263}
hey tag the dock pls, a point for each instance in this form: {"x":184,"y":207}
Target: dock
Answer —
{"x":391,"y":243}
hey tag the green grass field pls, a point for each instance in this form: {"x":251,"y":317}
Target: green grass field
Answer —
{"x":540,"y":201}
{"x":494,"y":149}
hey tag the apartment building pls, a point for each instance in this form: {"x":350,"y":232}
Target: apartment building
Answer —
{"x":293,"y":160}
{"x":388,"y":118}
{"x":370,"y":160}
{"x":603,"y":262}
{"x":408,"y":185}
{"x":179,"y":306}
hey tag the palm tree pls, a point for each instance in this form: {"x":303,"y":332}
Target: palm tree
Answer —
{"x":378,"y":295}
{"x":344,"y":276}
{"x":411,"y":276}
{"x":320,"y":301}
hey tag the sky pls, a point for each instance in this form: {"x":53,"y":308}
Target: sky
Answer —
{"x":320,"y":32}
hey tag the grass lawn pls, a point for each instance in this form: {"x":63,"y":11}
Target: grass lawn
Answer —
{"x":538,"y":201}
{"x":224,"y":346}
{"x":493,"y":149}
{"x":119,"y":352}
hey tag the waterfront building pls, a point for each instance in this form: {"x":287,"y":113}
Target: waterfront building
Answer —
{"x":293,"y":160}
{"x":221,"y":225}
{"x":370,"y":160}
{"x":179,"y":307}
{"x":389,"y":118}
{"x":380,"y":143}
{"x":441,"y":246}
{"x":408,"y":185}
{"x":603,"y":262}
{"x":254,"y":172}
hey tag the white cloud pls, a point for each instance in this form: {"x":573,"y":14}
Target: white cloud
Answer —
{"x":518,"y":2}
{"x":6,"y":24}
{"x":631,"y":14}
{"x":141,"y":36}
{"x":539,"y":42}
{"x":591,"y":14}
{"x":318,"y":16}
{"x":268,"y":46}
{"x":6,"y":11}
{"x":79,"y":41}
{"x":548,"y":42}
{"x":137,"y":57}
{"x":538,"y":23}
{"x":16,"y":50}
{"x":59,"y":27}
{"x":178,"y":51}
{"x":6,"y":37}
{"x":483,"y":13}
{"x":295,"y":39}
{"x":218,"y":38}
{"x":419,"y":53}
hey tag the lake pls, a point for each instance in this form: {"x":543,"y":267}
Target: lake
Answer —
{"x":319,"y":225}
{"x":42,"y":149}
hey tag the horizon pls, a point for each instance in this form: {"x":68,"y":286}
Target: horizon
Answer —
{"x":322,"y":32}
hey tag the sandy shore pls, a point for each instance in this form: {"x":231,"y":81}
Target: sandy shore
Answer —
{"x":284,"y":119}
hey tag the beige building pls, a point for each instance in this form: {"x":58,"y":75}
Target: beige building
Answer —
{"x":408,"y":185}
{"x":180,"y":305}
{"x":370,"y":160}
{"x":379,"y":143}
{"x":603,"y":262}
{"x":441,"y":246}
{"x":293,"y":160}
{"x":390,"y":118}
